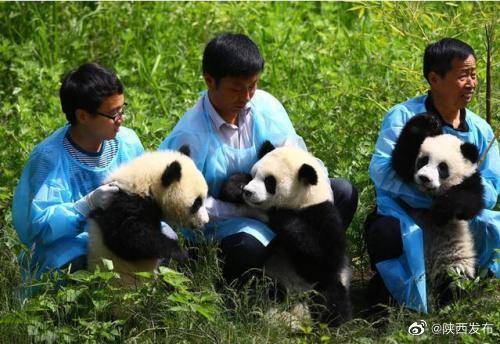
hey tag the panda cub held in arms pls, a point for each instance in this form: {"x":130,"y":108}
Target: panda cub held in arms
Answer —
{"x":155,"y":187}
{"x":309,"y":250}
{"x":445,"y":168}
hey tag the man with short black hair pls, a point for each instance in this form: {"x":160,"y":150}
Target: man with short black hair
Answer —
{"x":225,"y":131}
{"x":61,"y":182}
{"x":394,"y":241}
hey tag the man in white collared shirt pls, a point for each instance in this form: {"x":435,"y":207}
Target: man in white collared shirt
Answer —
{"x":225,"y":130}
{"x":236,"y":135}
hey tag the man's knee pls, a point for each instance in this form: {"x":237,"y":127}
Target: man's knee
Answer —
{"x":383,"y":239}
{"x":345,"y":198}
{"x":241,"y":252}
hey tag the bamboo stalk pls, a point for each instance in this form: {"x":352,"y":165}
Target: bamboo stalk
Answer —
{"x":489,"y":47}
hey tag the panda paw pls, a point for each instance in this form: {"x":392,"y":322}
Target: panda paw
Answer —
{"x":442,"y":211}
{"x":232,"y":188}
{"x":178,"y":255}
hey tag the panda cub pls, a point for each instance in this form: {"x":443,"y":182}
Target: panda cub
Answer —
{"x":155,"y":187}
{"x":309,"y":251}
{"x":445,"y":168}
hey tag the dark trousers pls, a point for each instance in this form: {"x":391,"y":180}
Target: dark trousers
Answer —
{"x":383,"y":241}
{"x":383,"y":238}
{"x":242,"y":251}
{"x":79,"y":263}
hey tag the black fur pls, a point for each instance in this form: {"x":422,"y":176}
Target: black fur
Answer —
{"x":308,"y":175}
{"x":463,"y":201}
{"x":196,"y":205}
{"x":315,"y":241}
{"x":270,"y":183}
{"x":443,"y":170}
{"x":408,"y":144}
{"x":131,"y":228}
{"x":185,"y":150}
{"x":266,"y":147}
{"x":232,"y":188}
{"x":470,"y":152}
{"x":171,"y":174}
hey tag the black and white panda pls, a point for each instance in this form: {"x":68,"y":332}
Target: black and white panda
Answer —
{"x":445,"y":168}
{"x":155,"y":187}
{"x":309,"y":251}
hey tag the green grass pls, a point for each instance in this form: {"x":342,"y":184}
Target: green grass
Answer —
{"x":336,"y":67}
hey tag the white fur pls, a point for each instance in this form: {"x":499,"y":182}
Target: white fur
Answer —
{"x":284,"y":163}
{"x":142,"y":176}
{"x":443,"y":148}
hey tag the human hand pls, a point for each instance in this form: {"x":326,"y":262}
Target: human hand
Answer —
{"x":99,"y":198}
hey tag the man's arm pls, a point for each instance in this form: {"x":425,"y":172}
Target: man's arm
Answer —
{"x":490,"y":170}
{"x":381,"y":172}
{"x":43,"y":207}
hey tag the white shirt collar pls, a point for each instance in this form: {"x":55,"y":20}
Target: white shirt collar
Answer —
{"x":219,"y":122}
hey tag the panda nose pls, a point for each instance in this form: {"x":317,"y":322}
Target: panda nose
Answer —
{"x":424,"y":179}
{"x":247,"y":194}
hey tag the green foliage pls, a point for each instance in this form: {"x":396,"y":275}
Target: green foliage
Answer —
{"x":88,"y":307}
{"x":336,"y":67}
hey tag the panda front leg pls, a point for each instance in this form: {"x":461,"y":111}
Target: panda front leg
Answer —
{"x":292,"y":232}
{"x":460,"y":202}
{"x":332,"y":304}
{"x":137,"y":240}
{"x":446,"y":288}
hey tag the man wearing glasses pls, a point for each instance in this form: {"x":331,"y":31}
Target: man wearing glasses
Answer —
{"x":61,"y":182}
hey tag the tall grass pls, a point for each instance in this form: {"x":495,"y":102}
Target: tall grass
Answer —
{"x":336,"y":67}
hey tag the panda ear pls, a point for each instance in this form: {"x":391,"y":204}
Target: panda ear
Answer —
{"x":185,"y":150}
{"x":308,"y":175}
{"x":171,"y":174}
{"x":470,"y":152}
{"x":267,"y":147}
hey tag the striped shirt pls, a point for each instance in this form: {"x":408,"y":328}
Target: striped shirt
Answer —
{"x":100,"y":159}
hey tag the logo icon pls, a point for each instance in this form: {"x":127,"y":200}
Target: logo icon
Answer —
{"x":417,"y":328}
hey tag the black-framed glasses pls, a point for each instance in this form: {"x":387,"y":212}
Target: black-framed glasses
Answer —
{"x":117,"y":116}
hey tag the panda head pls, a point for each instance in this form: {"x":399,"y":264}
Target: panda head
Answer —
{"x":287,"y":177}
{"x":172,"y":180}
{"x":444,"y":161}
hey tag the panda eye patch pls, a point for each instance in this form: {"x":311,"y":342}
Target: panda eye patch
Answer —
{"x":421,"y":162}
{"x":196,"y":205}
{"x":270,"y":183}
{"x":443,"y":170}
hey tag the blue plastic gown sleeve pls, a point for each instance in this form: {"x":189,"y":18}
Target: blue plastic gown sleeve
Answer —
{"x":42,"y":209}
{"x":53,"y":222}
{"x":381,"y":172}
{"x":490,"y":171}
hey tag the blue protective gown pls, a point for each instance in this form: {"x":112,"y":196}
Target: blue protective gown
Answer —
{"x":217,"y":160}
{"x":43,"y":209}
{"x":405,"y":276}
